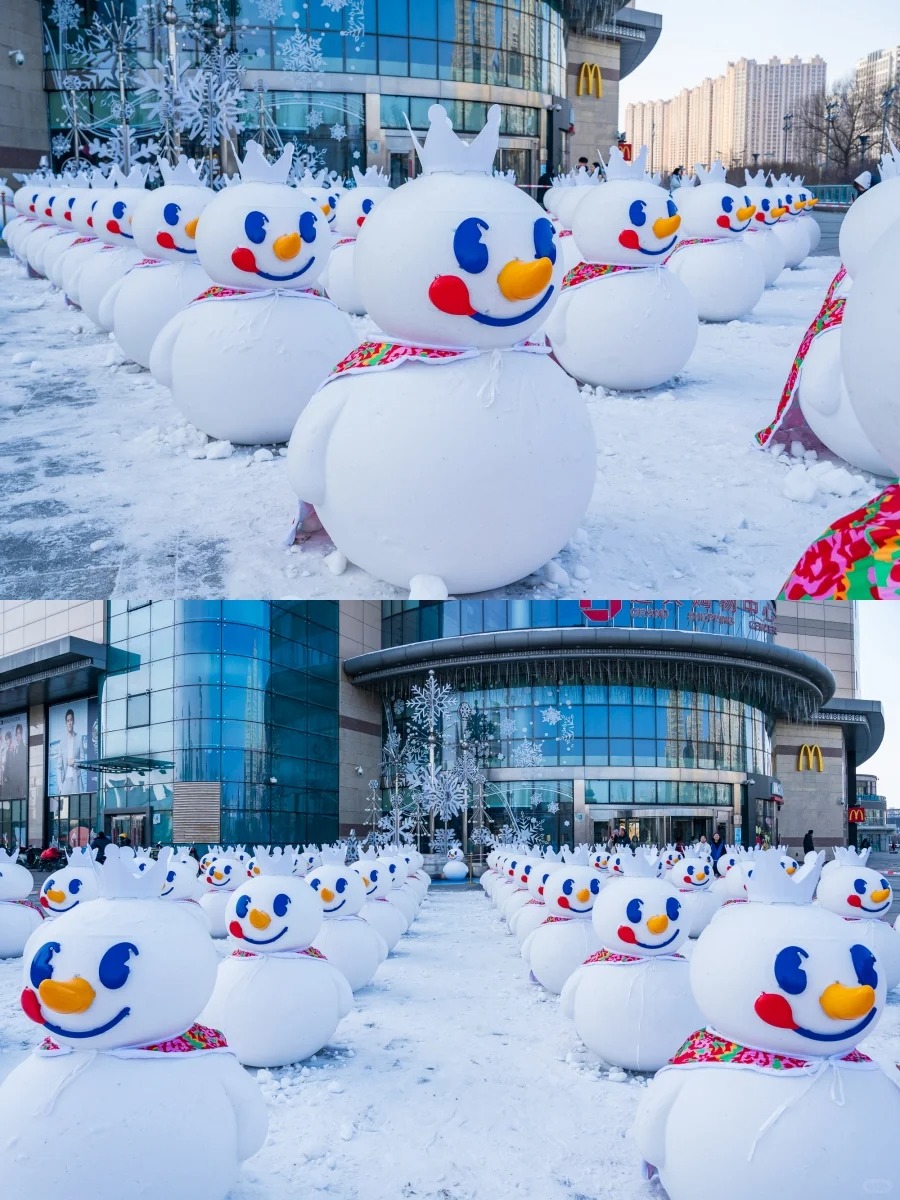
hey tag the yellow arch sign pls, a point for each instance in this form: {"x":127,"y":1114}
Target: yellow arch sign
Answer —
{"x":810,"y":755}
{"x":590,"y":81}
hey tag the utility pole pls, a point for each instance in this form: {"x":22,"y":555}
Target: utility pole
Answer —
{"x":786,"y":129}
{"x":170,"y":17}
{"x":887,"y":103}
{"x":831,"y":110}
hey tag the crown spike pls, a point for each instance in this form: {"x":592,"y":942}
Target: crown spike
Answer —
{"x":769,"y":883}
{"x":185,"y":172}
{"x":444,"y":152}
{"x":617,"y":166}
{"x":255,"y":167}
{"x":715,"y":174}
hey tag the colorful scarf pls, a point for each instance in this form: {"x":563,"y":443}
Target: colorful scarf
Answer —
{"x":708,"y":1048}
{"x":856,"y":558}
{"x":385,"y":356}
{"x":828,"y":317}
{"x":736,"y":900}
{"x":551,"y":920}
{"x":199,"y":1039}
{"x":26,"y":904}
{"x":564,"y":233}
{"x":216,"y":292}
{"x":309,"y":952}
{"x":150,"y":262}
{"x":608,"y":956}
{"x":345,"y":241}
{"x":588,"y":272}
{"x":82,"y":241}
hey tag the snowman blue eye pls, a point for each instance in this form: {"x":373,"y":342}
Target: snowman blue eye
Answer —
{"x":367,"y":206}
{"x":170,"y":214}
{"x":114,"y":969}
{"x":568,"y":887}
{"x":637,"y":214}
{"x":789,"y":973}
{"x":41,"y":967}
{"x":671,"y":208}
{"x":48,"y":885}
{"x":595,"y":886}
{"x":747,"y":201}
{"x":51,"y":201}
{"x":280,"y":904}
{"x":527,"y":870}
{"x":243,"y":906}
{"x":340,"y":886}
{"x":727,"y":204}
{"x":170,"y":878}
{"x":673,"y":909}
{"x":226,"y":870}
{"x":93,"y":206}
{"x":765,"y":205}
{"x":308,"y":226}
{"x":468,"y":248}
{"x":789,"y":199}
{"x":633,"y":911}
{"x":332,"y":200}
{"x":690,"y":870}
{"x":315,"y":884}
{"x":885,"y":884}
{"x":75,"y":887}
{"x":859,"y":886}
{"x":864,"y":965}
{"x":544,"y":242}
{"x":255,"y":227}
{"x":118,"y":209}
{"x":373,"y":875}
{"x":71,"y":201}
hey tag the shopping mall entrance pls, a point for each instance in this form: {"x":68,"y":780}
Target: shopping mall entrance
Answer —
{"x":656,"y":827}
{"x":131,"y":825}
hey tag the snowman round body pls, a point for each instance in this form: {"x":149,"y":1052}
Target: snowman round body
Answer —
{"x":531,"y":915}
{"x":275,"y":1000}
{"x":385,"y":918}
{"x":794,"y":239}
{"x":242,"y":366}
{"x":693,"y":878}
{"x":566,"y":937}
{"x":768,"y":247}
{"x":353,"y":210}
{"x":792,"y":989}
{"x":635,"y":1007}
{"x":112,"y":220}
{"x":97,"y":275}
{"x":65,"y":233}
{"x":456,"y":260}
{"x":19,"y":918}
{"x":138,"y":971}
{"x":455,"y":868}
{"x":349,"y":943}
{"x":811,"y":228}
{"x":182,"y":885}
{"x":397,"y":895}
{"x":224,"y":876}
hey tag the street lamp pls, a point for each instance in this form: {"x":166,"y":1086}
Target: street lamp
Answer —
{"x":755,"y":157}
{"x":786,"y":129}
{"x":887,"y":102}
{"x":863,"y":146}
{"x":832,"y":107}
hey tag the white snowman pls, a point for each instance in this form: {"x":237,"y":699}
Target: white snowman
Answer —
{"x":277,"y":999}
{"x":392,"y":865}
{"x":66,"y":234}
{"x":243,"y":359}
{"x":224,"y":875}
{"x":531,"y":915}
{"x":169,"y":277}
{"x":566,"y":937}
{"x":574,"y":189}
{"x":759,"y":234}
{"x":857,"y":893}
{"x":693,"y":877}
{"x":807,"y":221}
{"x":713,"y":260}
{"x":116,"y":987}
{"x":112,"y":217}
{"x":417,"y":875}
{"x":789,"y":230}
{"x":23,"y":215}
{"x":46,"y":228}
{"x":519,"y":898}
{"x":352,"y":944}
{"x":67,"y":268}
{"x":182,"y":884}
{"x":455,"y":869}
{"x":631,"y":1001}
{"x":356,"y":205}
{"x":457,"y":269}
{"x":386,"y":918}
{"x":623,"y":321}
{"x":19,"y":917}
{"x":71,"y":885}
{"x":325,"y":191}
{"x":787,"y":990}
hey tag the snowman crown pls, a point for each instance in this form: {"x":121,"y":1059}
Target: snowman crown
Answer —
{"x":642,"y":865}
{"x":443,"y":151}
{"x":275,"y":860}
{"x":890,"y":162}
{"x":715,"y":173}
{"x":311,"y":180}
{"x":8,"y":856}
{"x":771,"y":884}
{"x":757,"y":179}
{"x":116,"y":879}
{"x":782,"y":181}
{"x":185,"y":172}
{"x":82,"y":858}
{"x":99,"y":180}
{"x":618,"y":167}
{"x":654,"y":177}
{"x":578,"y":857}
{"x":550,"y":855}
{"x":334,"y":856}
{"x":506,"y":176}
{"x":849,"y":856}
{"x":371,"y":177}
{"x":136,"y":177}
{"x":256,"y":168}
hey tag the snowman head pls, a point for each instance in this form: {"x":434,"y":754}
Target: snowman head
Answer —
{"x":642,"y":916}
{"x":393,"y":869}
{"x":870,"y":215}
{"x":457,"y":257}
{"x":372,"y":187}
{"x":165,"y":225}
{"x":63,"y":200}
{"x":763,"y":198}
{"x":15,"y":881}
{"x":274,"y":910}
{"x":67,"y":889}
{"x":628,"y":221}
{"x":692,"y":873}
{"x":325,"y":192}
{"x":181,"y":881}
{"x":714,"y":209}
{"x":539,"y":878}
{"x":571,"y":891}
{"x":850,"y":889}
{"x":224,"y":874}
{"x":23,"y":199}
{"x":376,"y":880}
{"x":262,"y":233}
{"x":339,"y":889}
{"x":600,"y":861}
{"x":671,"y":858}
{"x":208,"y":858}
{"x":580,"y":185}
{"x":788,"y":864}
{"x":116,"y":205}
{"x":125,"y":970}
{"x":526,"y":868}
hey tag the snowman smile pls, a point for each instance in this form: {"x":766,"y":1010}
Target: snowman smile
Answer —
{"x":630,"y":240}
{"x":167,"y":242}
{"x":245,"y":260}
{"x":855,"y":902}
{"x":336,"y":907}
{"x":115,"y":227}
{"x":776,"y":1010}
{"x":76,"y":1033}
{"x":236,"y":931}
{"x":626,"y":934}
{"x":449,"y":294}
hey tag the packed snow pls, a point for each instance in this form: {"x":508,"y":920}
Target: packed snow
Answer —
{"x":453,"y":1078}
{"x":105,"y":490}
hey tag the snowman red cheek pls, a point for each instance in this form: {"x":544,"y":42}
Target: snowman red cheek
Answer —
{"x":774,"y":1010}
{"x":235,"y":929}
{"x":165,"y":240}
{"x":450,"y":295}
{"x":723,"y":222}
{"x":626,"y":934}
{"x":31,"y":1006}
{"x":629,"y":239}
{"x":244,"y":259}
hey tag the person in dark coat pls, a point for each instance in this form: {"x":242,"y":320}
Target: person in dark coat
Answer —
{"x":100,"y":842}
{"x":716,"y":850}
{"x":808,"y":844}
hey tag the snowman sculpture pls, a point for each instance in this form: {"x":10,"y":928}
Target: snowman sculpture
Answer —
{"x":277,"y":999}
{"x":70,"y":886}
{"x":693,"y":877}
{"x":243,"y":359}
{"x":806,"y":220}
{"x":566,"y":937}
{"x":169,"y":277}
{"x":531,"y":915}
{"x":857,"y":893}
{"x":65,"y":233}
{"x":115,"y":987}
{"x":356,"y":205}
{"x":224,"y":875}
{"x":112,"y":219}
{"x":393,"y":866}
{"x":790,"y":230}
{"x":325,"y":191}
{"x":47,"y":227}
{"x":623,"y":321}
{"x":78,"y":205}
{"x":631,"y":1001}
{"x":520,"y":897}
{"x":457,"y":269}
{"x":183,"y":885}
{"x":455,"y":869}
{"x":787,"y":991}
{"x":19,"y":917}
{"x":760,"y":235}
{"x":713,"y":260}
{"x":575,"y":188}
{"x":67,"y":270}
{"x":385,"y":918}
{"x":23,"y":217}
{"x":350,"y":943}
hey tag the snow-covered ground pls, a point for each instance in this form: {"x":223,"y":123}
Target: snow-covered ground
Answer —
{"x":454,"y":1078}
{"x":105,"y":490}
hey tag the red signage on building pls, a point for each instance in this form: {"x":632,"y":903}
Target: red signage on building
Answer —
{"x":625,"y":147}
{"x":856,"y":815}
{"x":604,"y":613}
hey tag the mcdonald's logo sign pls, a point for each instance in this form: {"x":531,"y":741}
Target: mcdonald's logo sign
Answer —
{"x":590,"y":82}
{"x":809,"y":755}
{"x":856,"y":816}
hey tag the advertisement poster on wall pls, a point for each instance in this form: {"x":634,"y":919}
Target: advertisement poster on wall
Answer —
{"x":14,"y":757}
{"x":74,"y":738}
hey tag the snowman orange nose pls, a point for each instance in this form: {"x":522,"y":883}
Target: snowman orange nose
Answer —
{"x":259,"y":919}
{"x":745,"y":213}
{"x":666,"y":226}
{"x":287,"y":246}
{"x":524,"y":280}
{"x":191,"y":228}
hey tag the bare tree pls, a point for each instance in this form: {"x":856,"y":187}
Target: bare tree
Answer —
{"x":839,"y":132}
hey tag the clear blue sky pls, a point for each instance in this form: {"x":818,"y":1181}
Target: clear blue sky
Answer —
{"x":699,"y":38}
{"x":879,"y":657}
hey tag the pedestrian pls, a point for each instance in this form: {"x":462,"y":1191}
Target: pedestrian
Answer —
{"x":866,"y":844}
{"x":808,"y":843}
{"x":716,"y":850}
{"x":583,"y":164}
{"x":545,"y":182}
{"x":679,"y":846}
{"x":99,"y":843}
{"x":194,"y":854}
{"x":676,"y":179}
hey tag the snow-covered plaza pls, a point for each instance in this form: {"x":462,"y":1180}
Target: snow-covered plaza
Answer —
{"x":106,"y":490}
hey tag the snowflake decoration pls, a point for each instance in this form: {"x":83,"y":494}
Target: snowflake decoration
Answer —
{"x":71,"y":83}
{"x":528,"y":754}
{"x":316,"y":118}
{"x":334,"y":5}
{"x":270,"y":10}
{"x":551,"y":716}
{"x":60,"y":145}
{"x":444,"y":841}
{"x":536,"y":799}
{"x":553,"y":807}
{"x":212,"y":107}
{"x":356,"y":19}
{"x":432,"y":701}
{"x":65,"y":14}
{"x":302,"y":55}
{"x":337,"y":132}
{"x":96,"y":51}
{"x":567,"y":731}
{"x":508,"y":728}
